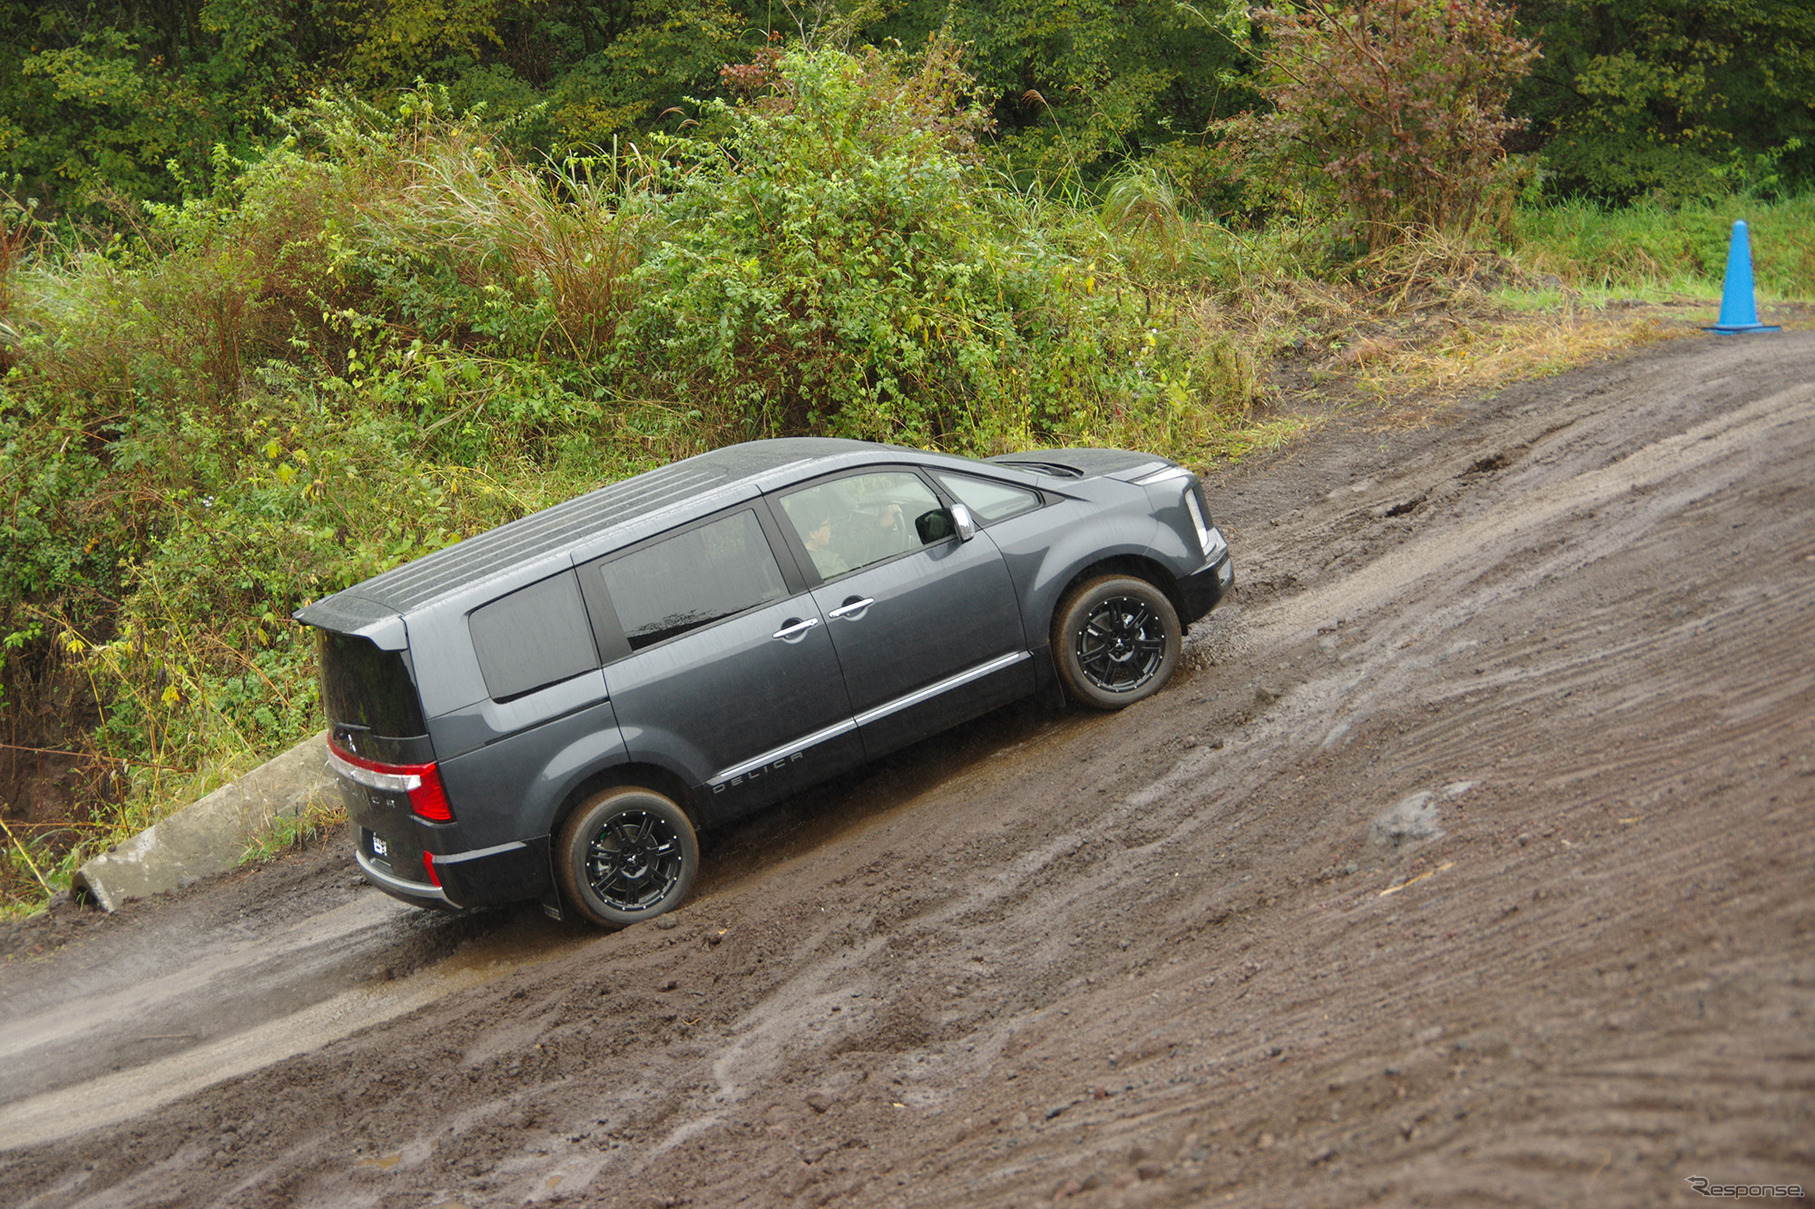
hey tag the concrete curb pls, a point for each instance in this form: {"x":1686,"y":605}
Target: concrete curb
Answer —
{"x":212,"y":834}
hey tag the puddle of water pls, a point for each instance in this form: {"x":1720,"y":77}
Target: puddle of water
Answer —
{"x":384,"y":1164}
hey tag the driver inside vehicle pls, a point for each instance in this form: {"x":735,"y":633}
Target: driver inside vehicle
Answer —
{"x":842,"y":534}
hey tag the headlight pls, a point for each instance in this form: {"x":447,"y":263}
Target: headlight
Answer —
{"x":1209,"y":538}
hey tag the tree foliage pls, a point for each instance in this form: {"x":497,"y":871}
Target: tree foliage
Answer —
{"x":103,"y":100}
{"x":839,"y":264}
{"x":1076,"y":84}
{"x":1672,"y":98}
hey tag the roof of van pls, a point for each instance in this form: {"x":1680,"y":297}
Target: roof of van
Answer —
{"x":567,"y":525}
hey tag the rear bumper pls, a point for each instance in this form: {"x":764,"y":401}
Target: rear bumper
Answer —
{"x":432,"y":864}
{"x":1203,"y":589}
{"x":417,"y":894}
{"x":484,"y":877}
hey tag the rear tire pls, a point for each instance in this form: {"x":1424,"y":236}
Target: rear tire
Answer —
{"x":1115,"y":640}
{"x":626,"y":855}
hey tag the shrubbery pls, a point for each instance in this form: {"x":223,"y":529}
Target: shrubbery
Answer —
{"x":385,"y":333}
{"x":839,"y":264}
{"x":1398,"y":106}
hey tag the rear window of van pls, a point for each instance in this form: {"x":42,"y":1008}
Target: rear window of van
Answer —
{"x":367,"y":688}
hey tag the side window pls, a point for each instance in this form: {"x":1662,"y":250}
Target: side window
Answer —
{"x":862,"y":519}
{"x":692,"y":579}
{"x":532,"y":638}
{"x":987,"y":499}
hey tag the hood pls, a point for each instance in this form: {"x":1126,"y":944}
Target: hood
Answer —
{"x":1121,"y":464}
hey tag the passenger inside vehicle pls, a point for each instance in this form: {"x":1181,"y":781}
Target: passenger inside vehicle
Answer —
{"x":817,"y":534}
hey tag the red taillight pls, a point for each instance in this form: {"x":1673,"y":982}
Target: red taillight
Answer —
{"x":428,"y":799}
{"x":421,"y":782}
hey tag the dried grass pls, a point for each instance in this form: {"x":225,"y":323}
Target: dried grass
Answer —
{"x":1479,"y":358}
{"x":1434,"y":271}
{"x":1417,"y":326}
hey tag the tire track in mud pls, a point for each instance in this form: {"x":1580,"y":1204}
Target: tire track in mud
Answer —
{"x":255,"y":1001}
{"x":1571,"y":523}
{"x":1771,"y":677}
{"x":1460,"y":741}
{"x":51,"y":1042}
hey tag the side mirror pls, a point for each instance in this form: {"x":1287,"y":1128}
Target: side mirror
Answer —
{"x":962,"y":519}
{"x":941,"y":523}
{"x":934,"y":526}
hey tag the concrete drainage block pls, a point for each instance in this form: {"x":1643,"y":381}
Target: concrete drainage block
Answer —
{"x":210,"y":835}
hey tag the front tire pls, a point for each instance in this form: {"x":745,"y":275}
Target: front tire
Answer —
{"x":1116,"y":640}
{"x":626,"y":855}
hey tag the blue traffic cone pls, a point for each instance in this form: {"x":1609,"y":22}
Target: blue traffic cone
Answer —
{"x":1738,"y":308}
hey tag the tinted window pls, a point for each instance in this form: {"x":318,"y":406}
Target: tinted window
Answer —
{"x":852,"y":522}
{"x":534,"y":637}
{"x":987,"y":499}
{"x":368,"y":689}
{"x":693,"y":578}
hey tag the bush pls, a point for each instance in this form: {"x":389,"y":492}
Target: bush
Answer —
{"x":838,"y":264}
{"x":384,"y":334}
{"x":328,"y":364}
{"x":1399,"y":105}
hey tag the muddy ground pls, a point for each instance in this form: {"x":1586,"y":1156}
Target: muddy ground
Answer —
{"x":1469,"y":862}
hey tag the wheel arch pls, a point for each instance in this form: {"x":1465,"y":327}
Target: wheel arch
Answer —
{"x":1135,"y":565}
{"x":642,"y":775}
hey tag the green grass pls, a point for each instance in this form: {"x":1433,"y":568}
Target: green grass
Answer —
{"x":1653,"y":252}
{"x":287,"y":831}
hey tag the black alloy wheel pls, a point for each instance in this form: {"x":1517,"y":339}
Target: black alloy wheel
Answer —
{"x":1116,"y":641}
{"x":626,"y":855}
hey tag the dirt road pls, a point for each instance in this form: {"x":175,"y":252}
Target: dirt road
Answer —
{"x":1470,"y":862}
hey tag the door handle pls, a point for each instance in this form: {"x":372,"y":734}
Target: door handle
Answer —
{"x":795,"y":629}
{"x":852,"y":608}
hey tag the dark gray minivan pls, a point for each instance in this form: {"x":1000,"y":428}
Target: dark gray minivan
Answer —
{"x":553,"y":709}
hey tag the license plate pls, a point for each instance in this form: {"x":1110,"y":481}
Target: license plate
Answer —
{"x":380,"y":848}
